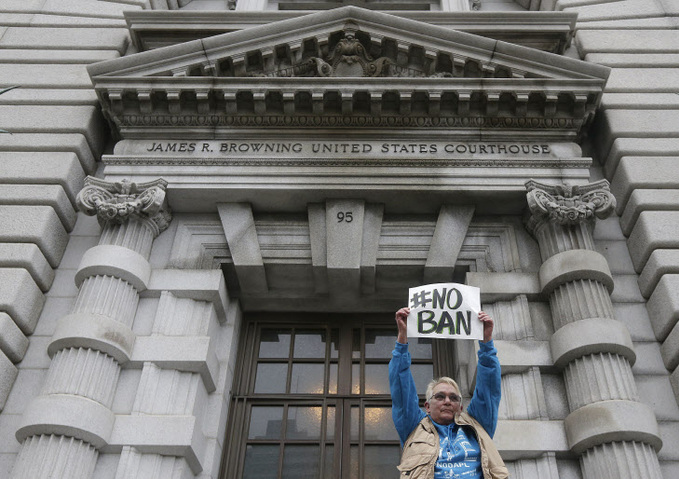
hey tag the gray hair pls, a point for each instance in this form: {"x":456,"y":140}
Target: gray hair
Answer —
{"x":443,"y":379}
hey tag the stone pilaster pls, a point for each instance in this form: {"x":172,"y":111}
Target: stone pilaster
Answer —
{"x":64,"y":428}
{"x":615,"y":435}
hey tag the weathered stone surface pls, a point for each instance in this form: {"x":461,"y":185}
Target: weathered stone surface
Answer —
{"x":653,"y":230}
{"x":627,"y":41}
{"x":53,"y":57}
{"x":663,"y":306}
{"x":20,"y":298}
{"x":34,"y":224}
{"x":637,"y":147}
{"x":647,"y":200}
{"x":655,"y":80}
{"x":40,"y":96}
{"x":641,"y":101}
{"x":29,"y":257}
{"x":107,"y":9}
{"x":51,"y":195}
{"x":54,"y":142}
{"x":670,"y":349}
{"x":623,"y":9}
{"x":57,"y":168}
{"x":648,"y":172}
{"x":85,"y":120}
{"x":661,"y":262}
{"x":8,"y":373}
{"x":66,"y":38}
{"x":616,"y":124}
{"x":44,"y":76}
{"x":634,"y":60}
{"x":12,"y":341}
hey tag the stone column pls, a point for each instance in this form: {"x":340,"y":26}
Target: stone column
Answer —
{"x":64,"y":428}
{"x":614,"y":434}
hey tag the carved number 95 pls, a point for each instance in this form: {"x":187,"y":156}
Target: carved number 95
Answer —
{"x":345,"y":217}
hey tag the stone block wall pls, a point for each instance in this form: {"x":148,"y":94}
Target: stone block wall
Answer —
{"x":637,"y":140}
{"x":57,"y":133}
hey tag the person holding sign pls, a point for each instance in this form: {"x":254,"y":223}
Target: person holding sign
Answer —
{"x":445,"y":441}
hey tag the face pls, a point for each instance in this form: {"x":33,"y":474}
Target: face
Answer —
{"x":443,"y":411}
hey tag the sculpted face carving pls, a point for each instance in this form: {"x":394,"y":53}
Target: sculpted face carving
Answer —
{"x":117,"y":202}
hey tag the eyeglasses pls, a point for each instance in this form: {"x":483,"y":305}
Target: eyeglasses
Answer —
{"x":442,"y":397}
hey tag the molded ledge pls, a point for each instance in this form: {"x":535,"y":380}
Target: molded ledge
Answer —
{"x":574,"y":265}
{"x":167,"y":435}
{"x":201,"y":285}
{"x":504,"y":286}
{"x":8,"y":374}
{"x":67,"y":415}
{"x":184,"y":353}
{"x":101,"y":333}
{"x":611,"y":421}
{"x":522,"y":355}
{"x":663,"y":306}
{"x":526,"y":439}
{"x":117,"y":261}
{"x":591,"y":336}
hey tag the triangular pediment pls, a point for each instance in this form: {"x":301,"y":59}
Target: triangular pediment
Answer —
{"x":349,"y":67}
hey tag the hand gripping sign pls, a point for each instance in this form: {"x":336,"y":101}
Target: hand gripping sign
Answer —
{"x":444,"y":310}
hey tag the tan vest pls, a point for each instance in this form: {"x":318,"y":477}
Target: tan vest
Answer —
{"x":421,"y":450}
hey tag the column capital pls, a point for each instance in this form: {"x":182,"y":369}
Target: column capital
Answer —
{"x":568,"y":205}
{"x":116,"y":202}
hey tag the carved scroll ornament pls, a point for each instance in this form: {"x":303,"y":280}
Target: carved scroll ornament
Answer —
{"x":568,"y":205}
{"x":117,"y":202}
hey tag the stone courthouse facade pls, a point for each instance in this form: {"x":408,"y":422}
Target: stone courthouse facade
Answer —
{"x":211,"y":209}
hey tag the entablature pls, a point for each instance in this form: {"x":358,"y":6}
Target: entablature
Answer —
{"x":350,"y":67}
{"x":547,"y":31}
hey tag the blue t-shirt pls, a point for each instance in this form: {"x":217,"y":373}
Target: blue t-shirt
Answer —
{"x":459,"y":453}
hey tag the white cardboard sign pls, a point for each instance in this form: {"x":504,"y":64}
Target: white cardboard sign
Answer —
{"x":445,"y":310}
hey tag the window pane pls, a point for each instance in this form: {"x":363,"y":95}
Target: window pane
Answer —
{"x":378,"y":424}
{"x":353,"y":467}
{"x":356,"y":344}
{"x":330,"y":425}
{"x":307,"y":378}
{"x":332,"y":380}
{"x":422,"y":373}
{"x":310,"y":344}
{"x":334,"y":343}
{"x":355,"y":378}
{"x":377,"y":378}
{"x":420,"y":348}
{"x":379,"y":343}
{"x":301,"y":462}
{"x":265,"y":422}
{"x":261,"y":462}
{"x":304,"y":422}
{"x":274,"y":343}
{"x":381,"y":462}
{"x":354,"y":423}
{"x":329,"y":465}
{"x":271,"y":378}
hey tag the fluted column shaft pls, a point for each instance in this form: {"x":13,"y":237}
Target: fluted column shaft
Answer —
{"x":593,"y":349}
{"x":92,"y":342}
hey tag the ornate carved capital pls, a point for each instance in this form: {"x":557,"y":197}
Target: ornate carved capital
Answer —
{"x":117,"y":202}
{"x":568,"y":205}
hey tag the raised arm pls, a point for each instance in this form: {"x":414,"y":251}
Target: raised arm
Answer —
{"x":405,"y":405}
{"x":485,"y":402}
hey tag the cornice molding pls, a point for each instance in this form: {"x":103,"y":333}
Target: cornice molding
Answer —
{"x":429,"y":77}
{"x":547,"y":31}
